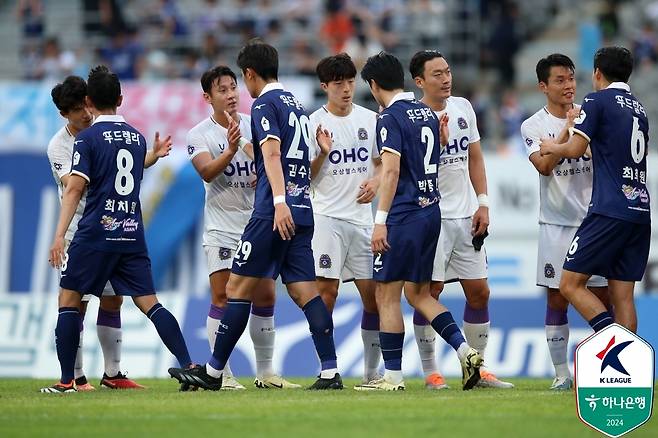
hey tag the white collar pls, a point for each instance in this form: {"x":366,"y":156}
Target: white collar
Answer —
{"x":109,"y":118}
{"x":621,"y":85}
{"x":271,"y":86}
{"x":408,"y":95}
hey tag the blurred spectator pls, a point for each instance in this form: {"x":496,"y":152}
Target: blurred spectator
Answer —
{"x":511,"y":115}
{"x":193,"y":66}
{"x":31,"y":60}
{"x":30,"y":13}
{"x":337,"y":28}
{"x":304,"y":59}
{"x":210,"y":17}
{"x":157,"y":66}
{"x":427,"y":19}
{"x":360,"y":47}
{"x":103,"y":16}
{"x":645,"y":46}
{"x":505,"y":43}
{"x":55,"y":63}
{"x":210,"y":51}
{"x":608,"y":19}
{"x":124,"y":55}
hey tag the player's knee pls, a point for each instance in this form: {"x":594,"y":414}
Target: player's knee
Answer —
{"x":436,"y":287}
{"x":556,"y":301}
{"x":329,"y":295}
{"x":111,"y":304}
{"x":479,"y":298}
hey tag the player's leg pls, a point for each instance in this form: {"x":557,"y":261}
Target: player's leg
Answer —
{"x":329,"y":251}
{"x":621,"y":296}
{"x":426,"y":341}
{"x":556,"y":326}
{"x":372,"y":352}
{"x":328,"y":291}
{"x":573,"y":287}
{"x":81,"y":382}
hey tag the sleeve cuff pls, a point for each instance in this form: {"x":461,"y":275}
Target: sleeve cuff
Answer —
{"x":385,"y":149}
{"x":269,"y":136}
{"x":532,"y":150}
{"x":579,"y":132}
{"x":77,"y":172}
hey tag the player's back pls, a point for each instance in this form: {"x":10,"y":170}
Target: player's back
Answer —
{"x":278,"y":114}
{"x":110,"y":156}
{"x":616,"y":125}
{"x":410,"y":129}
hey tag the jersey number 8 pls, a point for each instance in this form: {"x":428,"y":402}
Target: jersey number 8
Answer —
{"x":124,"y":183}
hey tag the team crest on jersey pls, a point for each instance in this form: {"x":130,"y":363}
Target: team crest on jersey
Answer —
{"x":461,"y":122}
{"x":57,"y":166}
{"x":581,"y":117}
{"x":190,"y":149}
{"x":76,"y":158}
{"x":383,"y":133}
{"x":528,"y":141}
{"x":325,"y":261}
{"x":265,"y":124}
{"x":549,"y":271}
{"x":363,"y":134}
{"x":224,"y":253}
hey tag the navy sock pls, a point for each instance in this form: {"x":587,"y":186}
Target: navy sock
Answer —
{"x":170,"y":333}
{"x":446,"y":327}
{"x":229,"y":331}
{"x":67,"y":338}
{"x":322,"y":331}
{"x":391,"y":344}
{"x":601,"y":321}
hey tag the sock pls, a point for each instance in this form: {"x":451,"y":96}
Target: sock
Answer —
{"x":601,"y":321}
{"x":371,"y":350}
{"x":392,"y":344}
{"x":108,"y":328}
{"x":230,"y":329}
{"x":446,"y":327}
{"x":215,"y":315}
{"x":77,"y":371}
{"x":261,"y":330}
{"x":476,"y":327}
{"x":426,"y":342}
{"x":322,"y":332}
{"x":557,"y":338}
{"x":170,"y":333}
{"x":67,"y":333}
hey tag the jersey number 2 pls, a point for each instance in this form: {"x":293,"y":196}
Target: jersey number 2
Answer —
{"x":427,"y":137}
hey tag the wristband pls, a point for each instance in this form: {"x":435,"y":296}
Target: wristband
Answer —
{"x":483,"y":200}
{"x":281,"y":199}
{"x":243,"y":142}
{"x":380,"y":217}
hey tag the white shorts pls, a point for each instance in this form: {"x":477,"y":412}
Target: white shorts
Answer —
{"x":554,"y":242}
{"x":341,"y":249}
{"x":456,"y":258}
{"x":219,"y":257}
{"x":108,"y":291}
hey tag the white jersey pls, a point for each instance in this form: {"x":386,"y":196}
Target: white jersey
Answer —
{"x":564,"y":196}
{"x":60,"y":154}
{"x":335,"y":189}
{"x":458,"y":198}
{"x":230,"y":196}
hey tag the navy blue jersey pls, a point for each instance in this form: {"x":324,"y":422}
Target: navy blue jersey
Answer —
{"x":278,"y":114}
{"x":110,"y":156}
{"x":616,"y":126}
{"x":410,"y":129}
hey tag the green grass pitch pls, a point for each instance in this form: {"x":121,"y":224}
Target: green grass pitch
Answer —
{"x":529,"y":410}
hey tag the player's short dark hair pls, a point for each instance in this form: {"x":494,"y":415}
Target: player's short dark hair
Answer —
{"x":385,"y":69}
{"x":261,"y":58}
{"x":69,"y":94}
{"x":336,"y":68}
{"x":615,"y":63}
{"x":544,"y":65}
{"x":210,"y":76}
{"x":417,"y":63}
{"x":103,"y":88}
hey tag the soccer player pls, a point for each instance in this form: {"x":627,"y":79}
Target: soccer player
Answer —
{"x":109,"y":244}
{"x":343,"y":183}
{"x":565,"y":189}
{"x":408,"y":220}
{"x":613,"y":239}
{"x":277,"y":239}
{"x":69,"y":98}
{"x":229,"y":176}
{"x":464,"y":217}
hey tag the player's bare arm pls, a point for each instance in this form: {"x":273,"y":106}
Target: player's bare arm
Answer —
{"x":70,"y":200}
{"x":208,"y":167}
{"x":272,"y":160}
{"x":161,"y":148}
{"x":389,"y":183}
{"x":574,"y":148}
{"x":444,"y":132}
{"x":323,"y":138}
{"x":370,"y":186}
{"x":478,"y":176}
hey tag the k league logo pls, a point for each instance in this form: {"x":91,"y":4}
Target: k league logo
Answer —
{"x":614,"y":380}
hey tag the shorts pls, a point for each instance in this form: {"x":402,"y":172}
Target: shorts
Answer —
{"x":341,"y":249}
{"x":612,"y":248}
{"x":219,"y":258}
{"x":107,"y":290}
{"x":261,"y":253}
{"x":88,"y":270}
{"x":412,"y":249}
{"x":554,"y":241}
{"x":456,"y":258}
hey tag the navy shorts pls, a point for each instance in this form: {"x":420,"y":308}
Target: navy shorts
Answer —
{"x":412,"y":250}
{"x":609,"y":247}
{"x":88,"y":270}
{"x":262,"y":253}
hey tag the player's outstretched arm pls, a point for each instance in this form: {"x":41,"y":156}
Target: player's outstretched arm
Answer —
{"x":370,"y":186}
{"x":478,"y":176}
{"x":388,"y":185}
{"x":574,"y":148}
{"x":543,"y":163}
{"x":272,"y":161}
{"x":70,"y":200}
{"x":324,"y":141}
{"x":161,"y":148}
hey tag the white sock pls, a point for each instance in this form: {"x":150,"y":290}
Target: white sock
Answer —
{"x":77,"y":371}
{"x":477,"y":335}
{"x":212,"y":325}
{"x":261,"y":330}
{"x":426,"y":341}
{"x":372,"y":353}
{"x":328,"y":373}
{"x":557,"y":338}
{"x":110,"y":340}
{"x":462,"y":351}
{"x":393,"y":376}
{"x":212,"y":372}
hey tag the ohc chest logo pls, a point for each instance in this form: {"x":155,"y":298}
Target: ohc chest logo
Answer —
{"x":614,"y":380}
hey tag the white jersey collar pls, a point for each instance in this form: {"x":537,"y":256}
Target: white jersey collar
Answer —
{"x":405,"y":95}
{"x":621,"y":85}
{"x":271,"y":86}
{"x":109,"y":118}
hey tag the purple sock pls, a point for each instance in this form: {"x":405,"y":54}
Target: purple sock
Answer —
{"x":369,"y":321}
{"x":555,"y":317}
{"x":216,"y":312}
{"x":263,"y":312}
{"x":419,"y":319}
{"x":476,"y":316}
{"x":108,"y":319}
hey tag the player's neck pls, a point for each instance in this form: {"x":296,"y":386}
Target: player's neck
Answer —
{"x":557,"y":110}
{"x":72,"y":129}
{"x":387,"y":96}
{"x":105,"y":112}
{"x":436,"y":104}
{"x":263,"y":83}
{"x":338,"y":110}
{"x":221,"y":119}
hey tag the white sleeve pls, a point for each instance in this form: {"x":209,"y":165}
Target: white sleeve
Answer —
{"x":313,"y":147}
{"x":195,"y":145}
{"x":474,"y":133}
{"x":372,"y":137}
{"x":531,"y":137}
{"x":60,"y":161}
